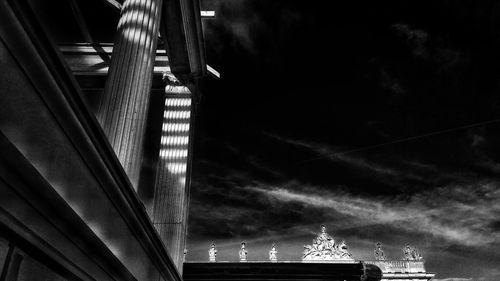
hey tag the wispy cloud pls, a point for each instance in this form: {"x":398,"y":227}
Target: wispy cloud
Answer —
{"x":335,"y":154}
{"x":461,"y":215}
{"x":346,"y":157}
{"x":463,"y":211}
{"x":396,"y":170}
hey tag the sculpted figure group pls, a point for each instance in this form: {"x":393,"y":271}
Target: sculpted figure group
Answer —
{"x":324,"y":248}
{"x":410,"y":253}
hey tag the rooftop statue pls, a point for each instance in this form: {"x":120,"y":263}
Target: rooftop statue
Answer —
{"x":343,"y":249}
{"x":212,"y":253}
{"x":243,"y":252}
{"x":411,"y":253}
{"x":378,"y":252}
{"x":273,"y":254}
{"x":324,"y":248}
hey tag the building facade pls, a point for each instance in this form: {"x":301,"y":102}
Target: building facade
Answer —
{"x":95,"y":138}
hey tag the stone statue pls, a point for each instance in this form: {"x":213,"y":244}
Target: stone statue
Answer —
{"x":407,"y":252}
{"x":415,"y":255}
{"x":411,"y":253}
{"x":378,"y":252}
{"x":343,"y":250}
{"x":243,"y":252}
{"x":324,"y":248}
{"x":212,"y":253}
{"x":325,"y":239}
{"x":273,"y":254}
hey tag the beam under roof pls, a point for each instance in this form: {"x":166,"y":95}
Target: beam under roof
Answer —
{"x":118,"y":7}
{"x":115,"y":4}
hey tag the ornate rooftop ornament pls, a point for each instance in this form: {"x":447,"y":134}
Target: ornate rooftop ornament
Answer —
{"x":212,"y":253}
{"x":411,"y":253}
{"x":378,"y":252}
{"x":243,"y":252}
{"x":273,"y":254}
{"x":324,"y":248}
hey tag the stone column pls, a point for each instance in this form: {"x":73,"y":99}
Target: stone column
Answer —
{"x":171,"y":198}
{"x":123,"y":109}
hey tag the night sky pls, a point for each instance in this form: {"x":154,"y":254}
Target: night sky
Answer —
{"x":379,"y":119}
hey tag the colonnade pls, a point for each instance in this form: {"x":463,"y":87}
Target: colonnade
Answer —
{"x":123,"y":114}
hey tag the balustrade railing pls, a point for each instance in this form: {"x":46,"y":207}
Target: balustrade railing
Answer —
{"x":399,"y":265}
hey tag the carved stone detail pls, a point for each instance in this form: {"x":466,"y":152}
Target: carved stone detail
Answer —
{"x":378,"y":252}
{"x":324,"y":248}
{"x":273,"y":254}
{"x":212,"y":253}
{"x":410,"y":253}
{"x":243,"y":252}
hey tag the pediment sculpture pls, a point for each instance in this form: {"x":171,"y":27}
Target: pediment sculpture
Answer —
{"x":411,"y":253}
{"x":324,"y":248}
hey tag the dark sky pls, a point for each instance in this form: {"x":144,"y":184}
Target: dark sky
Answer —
{"x":379,"y":119}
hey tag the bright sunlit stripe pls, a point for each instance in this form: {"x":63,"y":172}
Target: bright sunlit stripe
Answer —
{"x":173,"y":153}
{"x":207,"y":13}
{"x":177,"y":168}
{"x":176,"y":153}
{"x":174,"y":140}
{"x":178,"y":102}
{"x":176,"y":127}
{"x":177,"y":114}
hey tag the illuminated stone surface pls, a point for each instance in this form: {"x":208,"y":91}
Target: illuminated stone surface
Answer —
{"x":243,"y":252}
{"x":324,"y":248}
{"x":171,"y":193}
{"x":123,"y":108}
{"x":212,"y":253}
{"x":273,"y":254}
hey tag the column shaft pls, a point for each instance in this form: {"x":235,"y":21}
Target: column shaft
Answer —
{"x":123,"y":109}
{"x":172,"y":178}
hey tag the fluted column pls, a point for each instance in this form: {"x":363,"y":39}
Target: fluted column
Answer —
{"x":123,"y":108}
{"x":171,"y":198}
